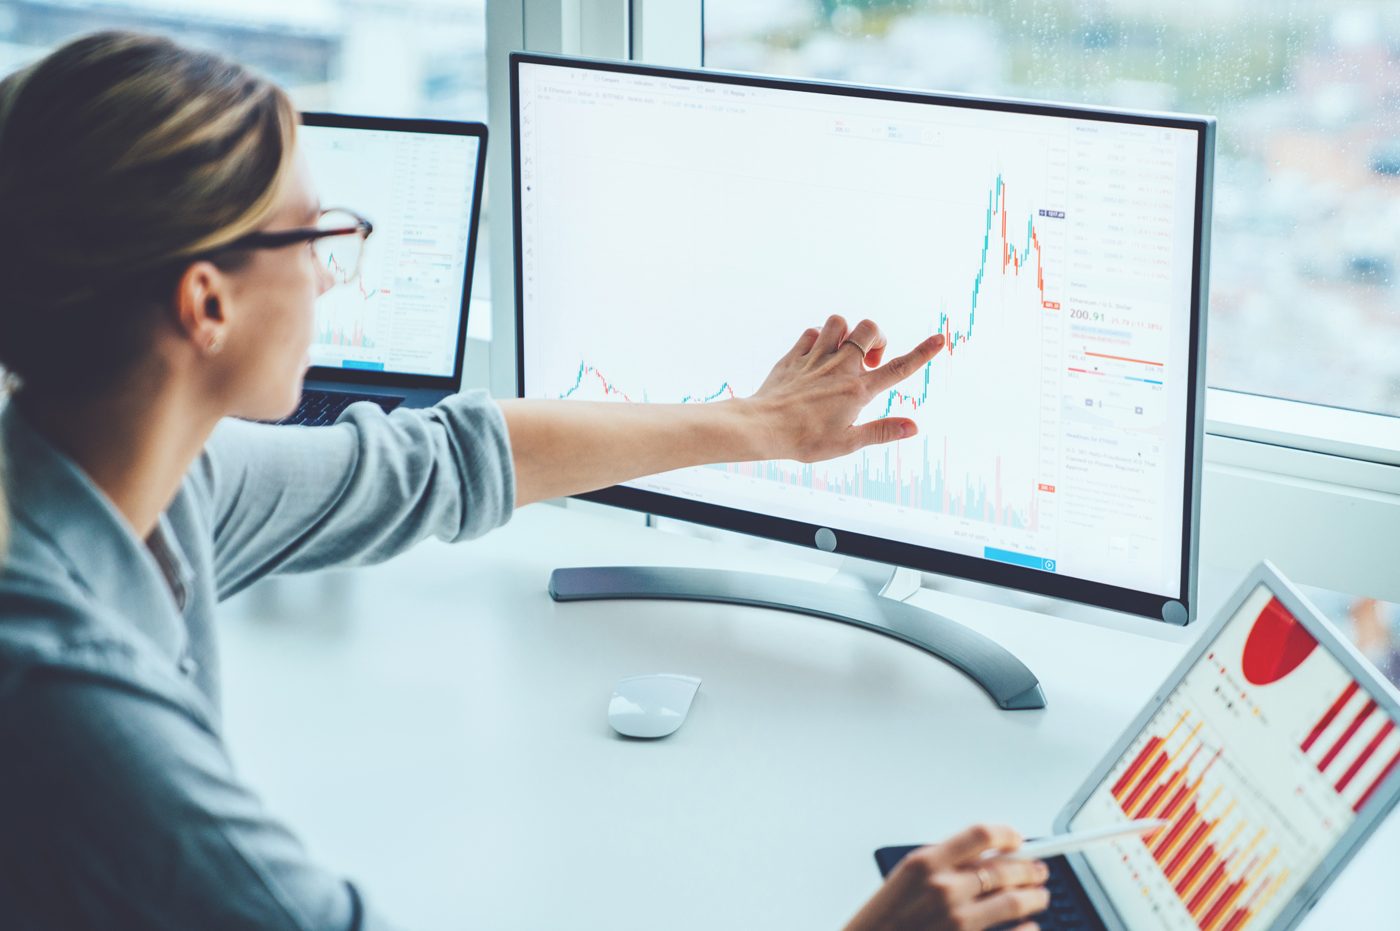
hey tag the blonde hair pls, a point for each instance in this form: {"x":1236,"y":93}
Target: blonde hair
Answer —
{"x":123,"y":157}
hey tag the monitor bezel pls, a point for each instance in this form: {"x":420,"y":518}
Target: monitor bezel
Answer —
{"x":1329,"y":638}
{"x":1100,"y":594}
{"x":450,"y":383}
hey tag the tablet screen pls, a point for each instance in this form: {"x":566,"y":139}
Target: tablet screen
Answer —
{"x":1261,"y":759}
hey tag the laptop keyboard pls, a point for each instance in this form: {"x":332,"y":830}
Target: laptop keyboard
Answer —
{"x":1069,"y":908}
{"x":318,"y":408}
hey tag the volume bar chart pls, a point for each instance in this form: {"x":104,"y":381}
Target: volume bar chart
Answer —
{"x":335,"y":334}
{"x":883,"y":475}
{"x":1221,"y":867}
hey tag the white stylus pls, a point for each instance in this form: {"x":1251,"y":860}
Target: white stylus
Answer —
{"x":1043,"y":847}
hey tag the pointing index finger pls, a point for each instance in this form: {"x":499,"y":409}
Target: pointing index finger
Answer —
{"x":896,"y":370}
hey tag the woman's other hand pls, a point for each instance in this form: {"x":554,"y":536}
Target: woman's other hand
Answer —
{"x":810,"y":400}
{"x":952,"y":887}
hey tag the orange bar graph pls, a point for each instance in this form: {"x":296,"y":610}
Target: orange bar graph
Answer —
{"x":1146,"y":809}
{"x":1132,"y":771}
{"x":1181,"y":828}
{"x":1221,"y":884}
{"x":1214,"y":879}
{"x":1205,"y":867}
{"x":1198,"y":839}
{"x":1202,"y":898}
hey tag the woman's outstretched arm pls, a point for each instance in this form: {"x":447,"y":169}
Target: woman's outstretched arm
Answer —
{"x":295,"y":499}
{"x":805,"y":410}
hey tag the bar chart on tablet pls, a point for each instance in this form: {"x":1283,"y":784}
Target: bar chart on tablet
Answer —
{"x":1221,"y":865}
{"x":1260,"y":760}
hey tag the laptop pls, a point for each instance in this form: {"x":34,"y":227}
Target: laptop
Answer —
{"x":395,"y":334}
{"x":1274,"y":751}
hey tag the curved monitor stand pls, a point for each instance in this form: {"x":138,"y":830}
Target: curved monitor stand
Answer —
{"x":863,"y":594}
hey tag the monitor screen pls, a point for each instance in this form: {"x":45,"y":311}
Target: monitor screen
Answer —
{"x":403,"y":312}
{"x":678,"y":231}
{"x":1261,"y":758}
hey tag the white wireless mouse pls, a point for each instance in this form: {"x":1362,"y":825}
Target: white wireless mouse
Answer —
{"x":651,"y":706}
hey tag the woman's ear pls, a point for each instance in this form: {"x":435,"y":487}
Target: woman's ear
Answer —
{"x":201,"y":304}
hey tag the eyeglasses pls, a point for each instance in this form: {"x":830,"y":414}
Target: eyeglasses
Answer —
{"x":338,"y":239}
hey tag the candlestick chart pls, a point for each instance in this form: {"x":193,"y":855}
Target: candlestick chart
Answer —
{"x":351,"y":169}
{"x":991,"y":355}
{"x":347,"y":314}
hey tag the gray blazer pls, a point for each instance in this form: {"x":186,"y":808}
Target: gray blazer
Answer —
{"x":119,"y":807}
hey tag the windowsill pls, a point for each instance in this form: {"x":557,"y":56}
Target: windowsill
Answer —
{"x":1314,"y":428}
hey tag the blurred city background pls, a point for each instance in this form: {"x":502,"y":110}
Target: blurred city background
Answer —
{"x":1305,"y":278}
{"x":1305,"y":274}
{"x":1305,"y":288}
{"x":1305,"y":247}
{"x":424,"y":58}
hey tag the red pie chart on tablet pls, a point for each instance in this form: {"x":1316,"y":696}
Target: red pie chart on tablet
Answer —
{"x":1277,"y":645}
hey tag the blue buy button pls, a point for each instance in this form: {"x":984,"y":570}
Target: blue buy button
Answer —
{"x":1019,"y":559}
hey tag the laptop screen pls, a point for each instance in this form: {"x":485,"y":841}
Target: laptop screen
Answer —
{"x":1260,"y":759}
{"x":403,"y":312}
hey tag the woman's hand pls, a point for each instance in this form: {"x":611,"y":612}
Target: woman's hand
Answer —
{"x":951,"y":887}
{"x":810,"y":400}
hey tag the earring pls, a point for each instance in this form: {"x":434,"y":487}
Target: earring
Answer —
{"x":216,"y":344}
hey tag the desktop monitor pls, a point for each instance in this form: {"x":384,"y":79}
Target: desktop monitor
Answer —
{"x":676,"y":230}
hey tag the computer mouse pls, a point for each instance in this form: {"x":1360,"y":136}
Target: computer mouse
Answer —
{"x":651,"y":706}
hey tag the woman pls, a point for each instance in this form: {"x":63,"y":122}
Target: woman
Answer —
{"x":159,"y":278}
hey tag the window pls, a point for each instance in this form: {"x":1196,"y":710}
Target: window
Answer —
{"x":1372,"y":625}
{"x":1305,"y":271}
{"x":425,"y":59}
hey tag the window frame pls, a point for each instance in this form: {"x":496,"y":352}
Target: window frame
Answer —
{"x":1316,"y":489}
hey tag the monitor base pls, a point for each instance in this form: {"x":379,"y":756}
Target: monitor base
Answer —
{"x":1004,"y":677}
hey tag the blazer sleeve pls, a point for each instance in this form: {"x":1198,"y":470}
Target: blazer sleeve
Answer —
{"x":294,"y":499}
{"x":117,"y":810}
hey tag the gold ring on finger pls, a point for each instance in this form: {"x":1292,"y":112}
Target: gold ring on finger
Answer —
{"x":863,"y":351}
{"x":985,"y":878}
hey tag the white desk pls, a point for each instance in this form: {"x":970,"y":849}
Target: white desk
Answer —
{"x":435,"y":728}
